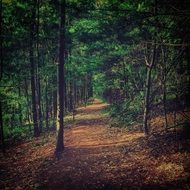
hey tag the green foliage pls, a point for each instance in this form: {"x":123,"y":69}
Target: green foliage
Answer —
{"x":16,"y":133}
{"x":105,"y":49}
{"x":129,"y":112}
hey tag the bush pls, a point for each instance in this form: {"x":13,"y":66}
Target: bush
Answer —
{"x":128,"y":112}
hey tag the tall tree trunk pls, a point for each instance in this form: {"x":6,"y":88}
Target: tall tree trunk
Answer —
{"x":39,"y":106}
{"x":20,"y":107}
{"x":33,"y":81}
{"x":147,"y":92}
{"x":71,"y":96}
{"x":188,"y":67}
{"x":1,"y":75}
{"x":85,"y":90}
{"x":1,"y":128}
{"x":75,"y":92}
{"x":65,"y":97}
{"x":124,"y":78}
{"x":54,"y":108}
{"x":47,"y":107}
{"x":164,"y":89}
{"x":28,"y":104}
{"x":38,"y":85}
{"x":1,"y":41}
{"x":60,"y":138}
{"x":12,"y":119}
{"x":164,"y":104}
{"x":33,"y":89}
{"x":51,"y":105}
{"x":90,"y":87}
{"x":148,"y":77}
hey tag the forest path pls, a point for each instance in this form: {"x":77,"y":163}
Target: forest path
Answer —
{"x":95,"y":154}
{"x":97,"y":157}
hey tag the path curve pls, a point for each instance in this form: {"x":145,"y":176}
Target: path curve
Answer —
{"x":97,"y":157}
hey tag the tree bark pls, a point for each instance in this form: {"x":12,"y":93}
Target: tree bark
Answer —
{"x":90,"y":87}
{"x":148,"y":78}
{"x":47,"y":107}
{"x":54,"y":108}
{"x":1,"y":75}
{"x":1,"y":41}
{"x":85,"y":90}
{"x":164,"y":90}
{"x":33,"y":81}
{"x":28,"y":104}
{"x":2,"y":131}
{"x":37,"y":72}
{"x":60,"y":135}
{"x":33,"y":89}
{"x":20,"y":107}
{"x":39,"y":106}
{"x":188,"y":67}
{"x":147,"y":92}
{"x":124,"y":77}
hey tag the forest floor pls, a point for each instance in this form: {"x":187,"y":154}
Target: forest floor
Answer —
{"x":98,"y":156}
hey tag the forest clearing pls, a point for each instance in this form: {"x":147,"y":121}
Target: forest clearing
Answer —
{"x":98,"y":156}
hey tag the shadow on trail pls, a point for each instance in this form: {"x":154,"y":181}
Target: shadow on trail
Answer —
{"x":96,"y":158}
{"x":89,"y":167}
{"x":90,"y":122}
{"x":90,"y":110}
{"x":94,"y":165}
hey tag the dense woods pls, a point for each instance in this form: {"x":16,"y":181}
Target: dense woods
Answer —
{"x":59,"y":55}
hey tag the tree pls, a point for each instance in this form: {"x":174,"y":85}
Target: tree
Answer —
{"x":32,"y":70}
{"x":147,"y":90}
{"x":1,"y":73}
{"x":60,"y":135}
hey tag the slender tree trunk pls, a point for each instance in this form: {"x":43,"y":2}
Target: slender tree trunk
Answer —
{"x":148,"y":77}
{"x":1,"y":40}
{"x":90,"y":87}
{"x":1,"y":128}
{"x":38,"y":84}
{"x":12,"y":119}
{"x":51,"y":107}
{"x":164,"y":90}
{"x":124,"y":78}
{"x":1,"y":75}
{"x":164,"y":103}
{"x":33,"y":81}
{"x":39,"y":106}
{"x":67,"y":96}
{"x":188,"y":67}
{"x":33,"y":89}
{"x":27,"y":99}
{"x":147,"y":92}
{"x":75,"y":93}
{"x":47,"y":107}
{"x":73,"y":98}
{"x":28,"y":104}
{"x":86,"y":90}
{"x":54,"y":108}
{"x":20,"y":107}
{"x":60,"y":136}
{"x":43,"y":109}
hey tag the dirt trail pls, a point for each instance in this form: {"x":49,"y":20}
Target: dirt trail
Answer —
{"x":94,"y":153}
{"x":98,"y":157}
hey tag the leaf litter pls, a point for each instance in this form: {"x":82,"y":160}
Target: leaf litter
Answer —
{"x":97,"y":156}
